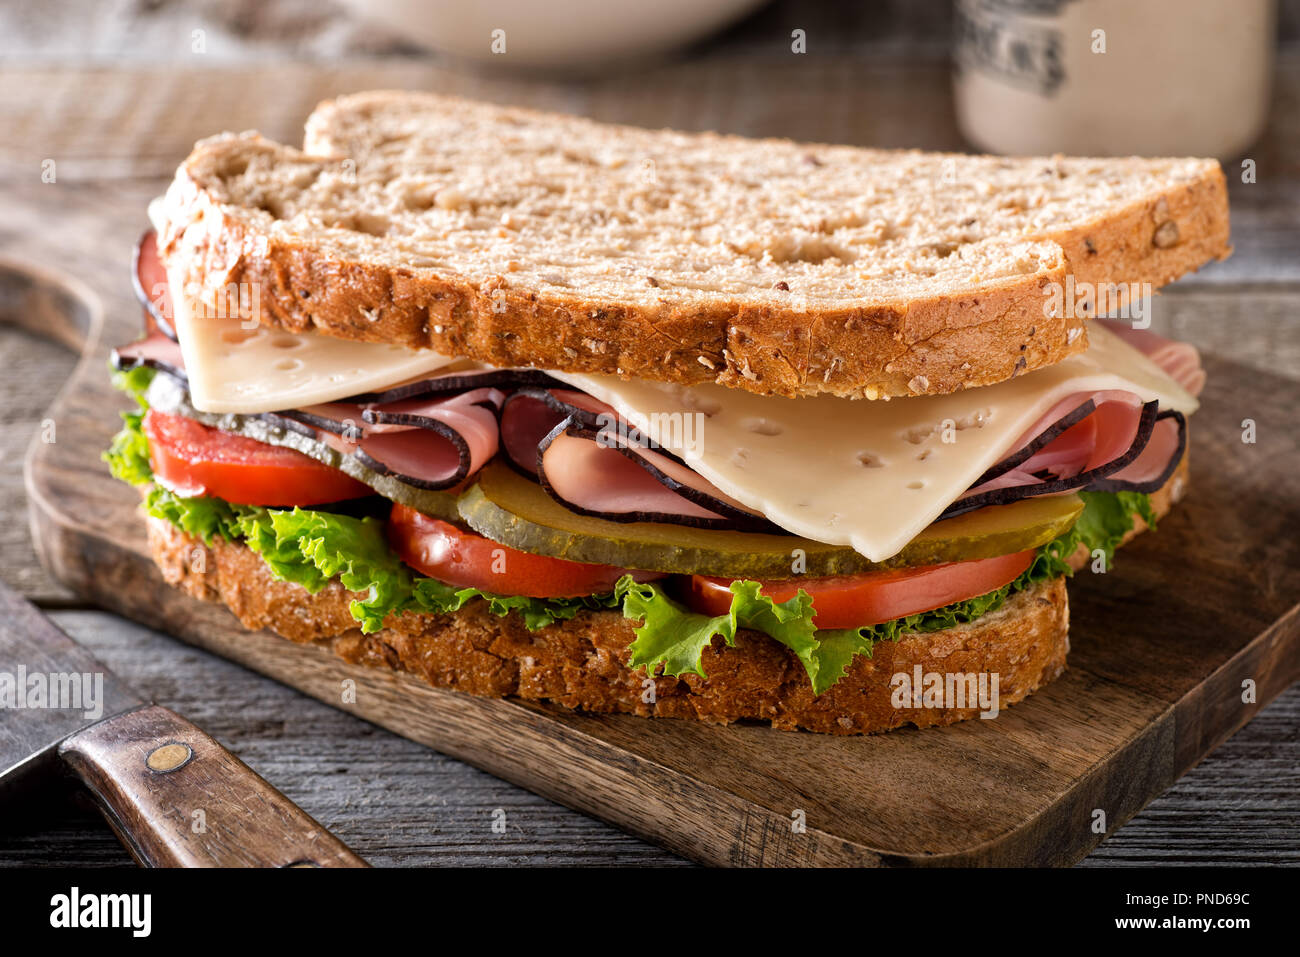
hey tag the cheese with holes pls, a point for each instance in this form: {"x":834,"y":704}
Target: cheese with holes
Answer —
{"x":870,"y":474}
{"x":235,"y":365}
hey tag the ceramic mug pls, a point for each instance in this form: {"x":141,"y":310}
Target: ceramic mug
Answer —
{"x":1113,"y":77}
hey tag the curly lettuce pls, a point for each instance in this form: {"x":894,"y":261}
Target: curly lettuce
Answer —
{"x":311,"y":547}
{"x":128,"y":454}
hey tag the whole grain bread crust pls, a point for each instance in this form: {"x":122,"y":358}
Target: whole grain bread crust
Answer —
{"x":582,"y":663}
{"x":964,"y":338}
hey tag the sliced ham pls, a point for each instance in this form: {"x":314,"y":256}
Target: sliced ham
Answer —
{"x":471,"y":416}
{"x":1083,"y":455}
{"x":529,"y":415}
{"x":417,"y":457}
{"x":1078,"y":435}
{"x":624,"y":487}
{"x":592,"y":461}
{"x":1180,"y":360}
{"x":1023,"y":481}
{"x":1117,"y":418}
{"x":430,"y":441}
{"x":1157,"y":462}
{"x":527,"y":419}
{"x":155,"y":350}
{"x":151,"y":286}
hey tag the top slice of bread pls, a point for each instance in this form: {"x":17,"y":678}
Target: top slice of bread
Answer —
{"x":523,"y":238}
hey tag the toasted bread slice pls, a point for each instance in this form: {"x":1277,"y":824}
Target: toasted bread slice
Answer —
{"x":531,"y":239}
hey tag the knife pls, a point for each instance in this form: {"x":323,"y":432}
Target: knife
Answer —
{"x":174,"y":796}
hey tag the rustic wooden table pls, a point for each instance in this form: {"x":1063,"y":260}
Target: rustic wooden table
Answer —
{"x":116,"y":133}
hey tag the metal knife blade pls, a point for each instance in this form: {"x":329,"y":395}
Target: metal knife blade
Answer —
{"x":50,"y":688}
{"x":60,"y":708}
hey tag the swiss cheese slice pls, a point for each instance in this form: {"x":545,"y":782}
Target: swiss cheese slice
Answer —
{"x":870,"y":474}
{"x":235,"y":365}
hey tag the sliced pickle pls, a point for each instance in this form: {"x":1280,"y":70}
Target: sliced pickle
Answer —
{"x":514,"y":511}
{"x":167,"y":395}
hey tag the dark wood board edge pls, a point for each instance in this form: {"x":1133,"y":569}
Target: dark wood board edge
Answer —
{"x":1271,"y":661}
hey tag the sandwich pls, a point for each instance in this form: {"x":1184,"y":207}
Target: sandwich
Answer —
{"x":668,"y":424}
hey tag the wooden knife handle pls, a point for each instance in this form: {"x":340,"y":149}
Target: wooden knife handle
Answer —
{"x":177,"y":798}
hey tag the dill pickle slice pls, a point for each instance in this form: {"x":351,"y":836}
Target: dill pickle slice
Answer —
{"x":508,"y":508}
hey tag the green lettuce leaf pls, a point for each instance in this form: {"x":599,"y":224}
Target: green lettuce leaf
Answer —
{"x":128,"y":455}
{"x":673,"y":638}
{"x":204,"y":518}
{"x":836,"y":649}
{"x":435,"y":597}
{"x":1108,"y":517}
{"x":310,"y":548}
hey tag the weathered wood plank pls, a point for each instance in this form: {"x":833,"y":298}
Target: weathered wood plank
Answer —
{"x":399,"y":804}
{"x":33,"y":369}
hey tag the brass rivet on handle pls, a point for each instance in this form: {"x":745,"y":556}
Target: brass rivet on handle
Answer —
{"x":169,"y":757}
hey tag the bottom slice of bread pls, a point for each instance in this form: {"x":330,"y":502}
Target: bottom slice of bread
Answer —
{"x":582,"y":663}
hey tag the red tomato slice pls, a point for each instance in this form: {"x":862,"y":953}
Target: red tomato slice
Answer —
{"x":442,"y":551}
{"x":872,"y":597}
{"x":197,"y":459}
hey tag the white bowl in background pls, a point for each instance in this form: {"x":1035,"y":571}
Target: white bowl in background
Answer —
{"x":573,"y":35}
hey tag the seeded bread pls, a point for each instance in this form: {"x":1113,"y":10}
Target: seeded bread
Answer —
{"x":582,"y":663}
{"x":530,"y":239}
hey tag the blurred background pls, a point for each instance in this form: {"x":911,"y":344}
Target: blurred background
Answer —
{"x":123,"y":88}
{"x":1028,"y":76}
{"x":101,"y":99}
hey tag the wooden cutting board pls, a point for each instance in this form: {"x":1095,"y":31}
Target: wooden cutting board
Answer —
{"x":1162,"y":646}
